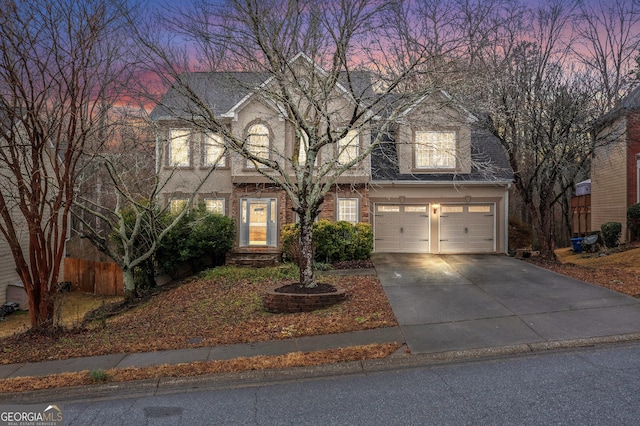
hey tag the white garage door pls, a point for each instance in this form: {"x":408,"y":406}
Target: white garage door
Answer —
{"x":401,"y":228}
{"x":467,"y":228}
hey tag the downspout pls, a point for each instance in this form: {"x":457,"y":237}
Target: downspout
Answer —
{"x":506,"y":218}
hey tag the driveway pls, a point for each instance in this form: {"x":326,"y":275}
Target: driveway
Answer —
{"x":461,"y":302}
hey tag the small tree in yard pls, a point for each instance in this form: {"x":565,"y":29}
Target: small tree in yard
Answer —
{"x":61,"y":70}
{"x":127,"y":222}
{"x":357,"y":75}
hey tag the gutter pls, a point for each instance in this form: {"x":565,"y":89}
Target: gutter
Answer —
{"x":439,"y":183}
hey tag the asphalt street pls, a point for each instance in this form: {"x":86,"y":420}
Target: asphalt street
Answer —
{"x":588,"y":386}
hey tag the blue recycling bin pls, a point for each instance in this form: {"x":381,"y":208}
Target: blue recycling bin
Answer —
{"x":577,"y":245}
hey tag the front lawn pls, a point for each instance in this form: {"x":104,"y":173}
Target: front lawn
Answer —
{"x":219,"y":307}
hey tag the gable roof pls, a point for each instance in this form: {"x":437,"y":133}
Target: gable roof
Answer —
{"x":227,"y":91}
{"x":629,"y":103}
{"x":489,"y":162}
{"x":219,"y":90}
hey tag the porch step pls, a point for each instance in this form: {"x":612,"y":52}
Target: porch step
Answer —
{"x":253,"y":259}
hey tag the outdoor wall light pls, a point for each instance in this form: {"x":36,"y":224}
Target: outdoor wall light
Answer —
{"x":435,"y":208}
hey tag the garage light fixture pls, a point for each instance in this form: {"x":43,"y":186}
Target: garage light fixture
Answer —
{"x":435,"y":208}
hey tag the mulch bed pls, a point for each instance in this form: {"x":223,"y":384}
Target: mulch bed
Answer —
{"x":320,"y":288}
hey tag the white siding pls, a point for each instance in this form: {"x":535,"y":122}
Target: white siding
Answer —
{"x":609,"y":181}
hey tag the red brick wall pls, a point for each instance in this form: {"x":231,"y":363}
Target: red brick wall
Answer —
{"x":633,"y":141}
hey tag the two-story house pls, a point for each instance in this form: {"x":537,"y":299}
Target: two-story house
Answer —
{"x":435,"y":185}
{"x":615,"y":164}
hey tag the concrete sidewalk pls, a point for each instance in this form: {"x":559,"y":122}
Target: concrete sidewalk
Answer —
{"x":148,"y":359}
{"x":468,"y":302}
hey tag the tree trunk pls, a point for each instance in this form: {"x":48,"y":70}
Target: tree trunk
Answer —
{"x":129,"y":284}
{"x":543,"y":227}
{"x":41,"y":307}
{"x":307,"y":277}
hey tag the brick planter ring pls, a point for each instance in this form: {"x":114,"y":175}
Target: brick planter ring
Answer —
{"x":292,"y":302}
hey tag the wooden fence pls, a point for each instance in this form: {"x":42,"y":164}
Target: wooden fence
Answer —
{"x":94,"y":277}
{"x":581,"y":215}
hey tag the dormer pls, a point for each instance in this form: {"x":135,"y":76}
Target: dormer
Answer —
{"x":434,"y":137}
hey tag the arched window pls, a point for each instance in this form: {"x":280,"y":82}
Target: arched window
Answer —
{"x":258,"y":142}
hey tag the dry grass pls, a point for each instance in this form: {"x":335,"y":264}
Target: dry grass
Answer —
{"x":629,"y":259}
{"x":224,"y":307}
{"x":217,"y":308}
{"x":297,"y":359}
{"x":617,"y":270}
{"x":74,"y":307}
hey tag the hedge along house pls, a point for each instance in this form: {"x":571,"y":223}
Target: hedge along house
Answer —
{"x":615,"y":164}
{"x":422,"y":171}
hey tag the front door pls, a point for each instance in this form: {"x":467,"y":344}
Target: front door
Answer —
{"x":258,"y":223}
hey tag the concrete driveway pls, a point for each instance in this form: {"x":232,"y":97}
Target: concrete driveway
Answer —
{"x":461,"y":302}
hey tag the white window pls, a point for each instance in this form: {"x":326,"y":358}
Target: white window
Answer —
{"x":178,"y":204}
{"x":451,"y":209}
{"x":388,"y":209}
{"x":348,"y":147}
{"x":179,"y":155}
{"x":348,"y":209}
{"x":479,"y":209}
{"x":435,"y":150}
{"x":258,"y":142}
{"x":214,"y":152}
{"x":415,"y":209}
{"x":214,"y":205}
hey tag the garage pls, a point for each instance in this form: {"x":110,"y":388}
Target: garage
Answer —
{"x":401,"y":228}
{"x":468,"y":228}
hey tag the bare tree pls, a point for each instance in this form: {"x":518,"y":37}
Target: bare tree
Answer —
{"x":607,"y":44}
{"x":340,"y":86}
{"x":60,"y":71}
{"x":541,"y":109}
{"x":127,"y":222}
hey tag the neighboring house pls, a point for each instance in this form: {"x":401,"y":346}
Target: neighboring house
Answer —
{"x":615,"y":165}
{"x":11,"y":287}
{"x":449,"y":199}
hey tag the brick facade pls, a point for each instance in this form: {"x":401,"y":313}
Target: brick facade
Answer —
{"x":633,"y":150}
{"x":285,"y":212}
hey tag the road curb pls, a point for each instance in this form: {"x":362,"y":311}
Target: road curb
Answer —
{"x":397,"y":361}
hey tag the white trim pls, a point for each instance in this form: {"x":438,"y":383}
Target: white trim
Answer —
{"x":505,"y":200}
{"x":469,"y":119}
{"x":233,"y":112}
